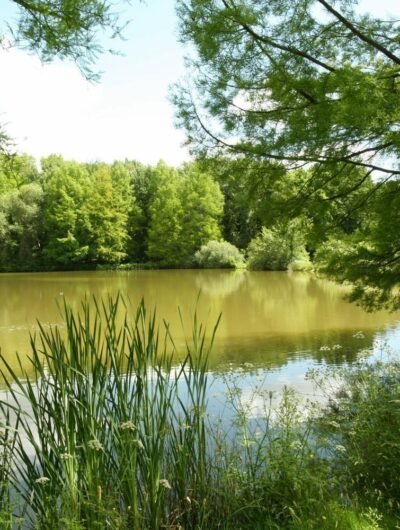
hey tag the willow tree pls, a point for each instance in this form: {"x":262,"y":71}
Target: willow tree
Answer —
{"x":303,"y":83}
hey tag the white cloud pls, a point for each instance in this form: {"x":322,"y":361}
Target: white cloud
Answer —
{"x":53,"y":109}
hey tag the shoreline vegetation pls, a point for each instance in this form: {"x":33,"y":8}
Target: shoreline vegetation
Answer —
{"x":69,"y":215}
{"x":110,"y":432}
{"x":90,"y":267}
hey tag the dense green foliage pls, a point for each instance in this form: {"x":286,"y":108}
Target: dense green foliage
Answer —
{"x":279,"y":248}
{"x":203,"y":209}
{"x":304,"y":83}
{"x":165,"y":218}
{"x":185,"y":213}
{"x":369,"y":257}
{"x":219,"y":255}
{"x":20,"y":224}
{"x":85,"y":212}
{"x":119,"y":435}
{"x":16,"y":171}
{"x":366,"y":417}
{"x":74,"y":215}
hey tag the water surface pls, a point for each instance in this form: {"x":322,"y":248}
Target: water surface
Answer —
{"x":280,"y":321}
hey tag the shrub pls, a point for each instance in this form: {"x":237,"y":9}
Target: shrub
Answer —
{"x":219,"y":255}
{"x":299,"y":265}
{"x":278,"y":247}
{"x":364,"y":421}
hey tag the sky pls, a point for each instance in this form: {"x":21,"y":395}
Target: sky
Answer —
{"x":52,"y":109}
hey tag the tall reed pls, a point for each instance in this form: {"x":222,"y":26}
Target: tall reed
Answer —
{"x":110,"y":432}
{"x":7,"y":443}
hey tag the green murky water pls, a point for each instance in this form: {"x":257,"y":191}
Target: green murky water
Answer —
{"x":287,"y":322}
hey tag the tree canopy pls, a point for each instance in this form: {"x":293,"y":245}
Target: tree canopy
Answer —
{"x":286,"y":81}
{"x":65,"y":29}
{"x":185,"y":214}
{"x":78,"y":215}
{"x":309,"y":84}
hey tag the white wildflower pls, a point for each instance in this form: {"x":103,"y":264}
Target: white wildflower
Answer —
{"x":359,"y":335}
{"x":164,"y":483}
{"x":42,"y":480}
{"x":138,"y":444}
{"x":340,"y":448}
{"x":128,"y":426}
{"x":232,"y":392}
{"x":337,"y":347}
{"x":66,"y":456}
{"x":247,"y":442}
{"x":95,"y":445}
{"x":324,"y":348}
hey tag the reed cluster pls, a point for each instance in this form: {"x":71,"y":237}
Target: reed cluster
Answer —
{"x":107,"y":433}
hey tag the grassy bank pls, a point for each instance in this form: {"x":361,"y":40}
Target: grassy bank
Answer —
{"x":109,"y":433}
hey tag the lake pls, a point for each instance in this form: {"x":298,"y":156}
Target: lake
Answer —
{"x":280,"y":322}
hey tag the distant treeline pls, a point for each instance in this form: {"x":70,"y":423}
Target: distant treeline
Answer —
{"x":212,"y":213}
{"x":73,"y":214}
